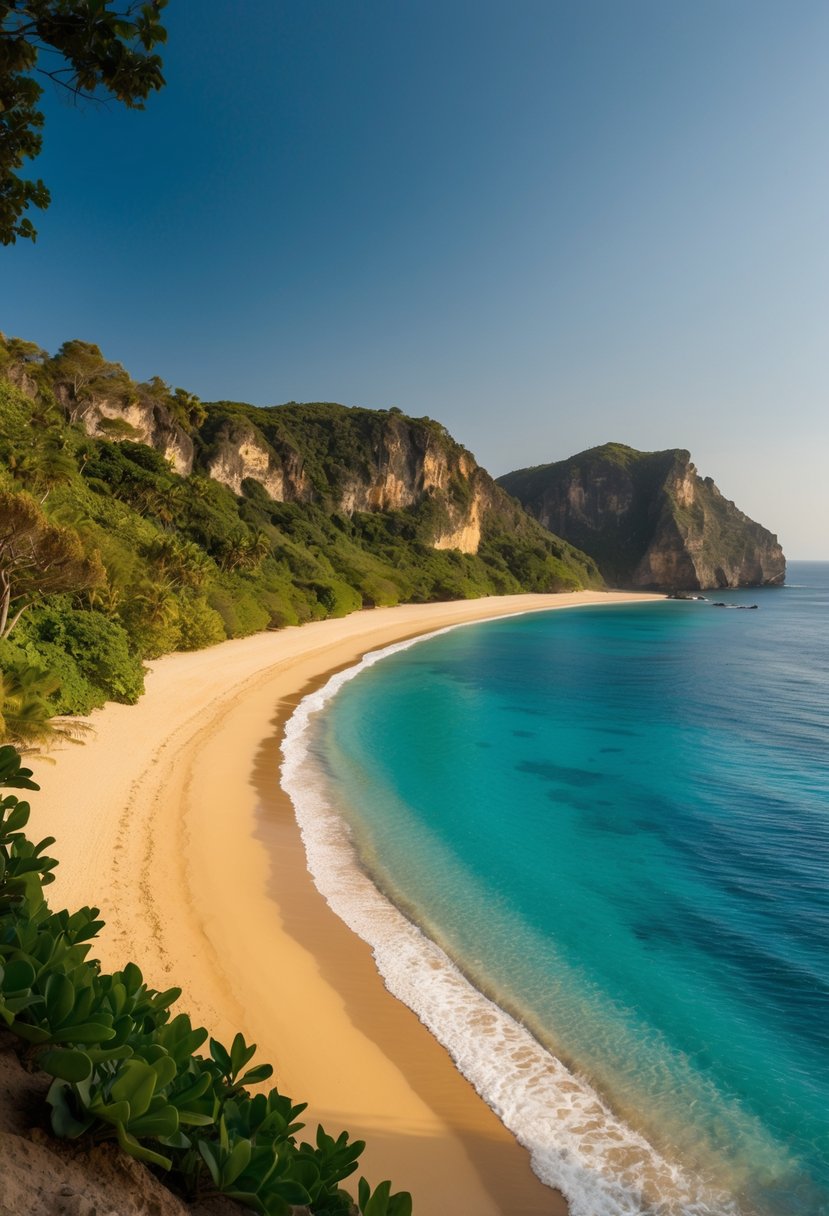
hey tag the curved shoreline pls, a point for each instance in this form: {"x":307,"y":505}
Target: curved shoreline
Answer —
{"x":170,"y":818}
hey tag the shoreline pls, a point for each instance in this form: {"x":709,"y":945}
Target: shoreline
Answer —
{"x":179,"y":829}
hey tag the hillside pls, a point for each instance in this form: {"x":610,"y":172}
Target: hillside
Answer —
{"x":177,"y":524}
{"x":649,"y":520}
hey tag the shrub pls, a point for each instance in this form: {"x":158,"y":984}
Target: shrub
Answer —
{"x":98,"y":647}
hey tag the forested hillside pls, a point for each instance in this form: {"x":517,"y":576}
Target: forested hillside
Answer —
{"x":136,"y":520}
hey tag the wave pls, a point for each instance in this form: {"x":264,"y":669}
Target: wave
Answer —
{"x":576,"y":1143}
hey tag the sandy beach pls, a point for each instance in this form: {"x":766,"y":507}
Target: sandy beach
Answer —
{"x":171,"y":820}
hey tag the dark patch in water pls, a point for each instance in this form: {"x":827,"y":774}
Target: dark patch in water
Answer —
{"x":482,"y":744}
{"x":612,"y":825}
{"x":561,"y":774}
{"x":607,"y":750}
{"x":524,"y":734}
{"x":560,"y":798}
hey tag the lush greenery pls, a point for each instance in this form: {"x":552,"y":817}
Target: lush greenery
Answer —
{"x":127,"y":1068}
{"x":112,"y":558}
{"x":90,"y":48}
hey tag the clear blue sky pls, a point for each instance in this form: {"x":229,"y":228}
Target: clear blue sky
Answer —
{"x":547,"y":224}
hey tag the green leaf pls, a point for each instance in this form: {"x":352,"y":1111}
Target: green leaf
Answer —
{"x":64,"y":1121}
{"x":135,"y":1084}
{"x":400,"y":1204}
{"x":220,"y":1055}
{"x":130,"y":1145}
{"x":18,"y":819}
{"x":209,"y":1158}
{"x":163,"y":1122}
{"x":236,"y":1163}
{"x":66,"y":1064}
{"x":60,"y":998}
{"x":240,"y":1054}
{"x":254,"y":1076}
{"x":276,"y":1206}
{"x":290,"y":1191}
{"x":192,"y":1118}
{"x":87,"y":1032}
{"x":379,"y":1202}
{"x":165,"y":1071}
{"x":132,"y":978}
{"x":111,"y":1112}
{"x":32,"y":1034}
{"x":163,"y":1000}
{"x":18,"y":976}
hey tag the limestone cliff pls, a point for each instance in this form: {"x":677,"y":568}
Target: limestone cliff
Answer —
{"x":328,"y":506}
{"x":353,"y":460}
{"x":143,"y":422}
{"x":649,"y":520}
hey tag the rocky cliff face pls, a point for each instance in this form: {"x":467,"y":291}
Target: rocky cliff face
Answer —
{"x":354,"y":460}
{"x":142,"y":422}
{"x":649,"y":520}
{"x":240,"y":453}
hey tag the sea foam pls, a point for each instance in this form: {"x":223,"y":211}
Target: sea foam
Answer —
{"x":576,"y":1143}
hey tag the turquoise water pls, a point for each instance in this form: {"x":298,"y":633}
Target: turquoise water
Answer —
{"x":616,"y":822}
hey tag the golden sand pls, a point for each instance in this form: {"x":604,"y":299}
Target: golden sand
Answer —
{"x":171,"y":820}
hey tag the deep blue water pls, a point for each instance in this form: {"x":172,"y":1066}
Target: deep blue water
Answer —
{"x":616,"y":821}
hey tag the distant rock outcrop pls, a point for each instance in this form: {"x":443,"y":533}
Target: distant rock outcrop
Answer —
{"x":649,"y":520}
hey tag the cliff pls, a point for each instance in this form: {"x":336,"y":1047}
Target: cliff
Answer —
{"x":207,"y":522}
{"x":358,"y":461}
{"x":649,"y":520}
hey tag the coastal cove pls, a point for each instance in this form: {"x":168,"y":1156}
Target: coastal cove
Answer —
{"x":614,"y":824}
{"x":169,"y":819}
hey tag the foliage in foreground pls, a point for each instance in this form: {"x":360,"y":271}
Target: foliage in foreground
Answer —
{"x":127,"y":1068}
{"x":91,"y":49}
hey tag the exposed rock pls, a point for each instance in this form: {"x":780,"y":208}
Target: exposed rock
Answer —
{"x":239,"y":452}
{"x":142,"y":422}
{"x":649,"y":520}
{"x":21,"y":377}
{"x":367,"y":461}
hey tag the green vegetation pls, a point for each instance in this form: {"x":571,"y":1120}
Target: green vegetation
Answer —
{"x":127,"y":1068}
{"x":108,"y":557}
{"x":88,"y":47}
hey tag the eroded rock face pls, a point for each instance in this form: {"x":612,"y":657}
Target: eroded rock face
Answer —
{"x":649,"y":520}
{"x":402,"y":464}
{"x":244,"y":454}
{"x":141,"y":422}
{"x":412,"y":465}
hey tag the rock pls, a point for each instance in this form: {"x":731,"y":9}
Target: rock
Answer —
{"x":649,"y":520}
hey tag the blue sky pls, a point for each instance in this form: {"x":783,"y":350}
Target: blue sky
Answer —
{"x":546,"y":224}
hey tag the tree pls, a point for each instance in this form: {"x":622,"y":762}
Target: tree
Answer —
{"x":94,"y":49}
{"x":81,"y":373}
{"x":37,"y":558}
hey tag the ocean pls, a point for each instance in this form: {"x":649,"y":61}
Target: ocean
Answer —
{"x":597,"y":843}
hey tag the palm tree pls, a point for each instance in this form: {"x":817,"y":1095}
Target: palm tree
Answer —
{"x":25,"y":713}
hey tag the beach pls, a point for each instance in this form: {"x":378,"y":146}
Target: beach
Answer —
{"x":170,"y":818}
